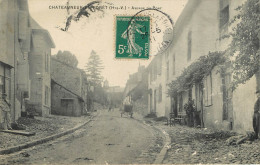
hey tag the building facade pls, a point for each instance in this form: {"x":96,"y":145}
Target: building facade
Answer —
{"x":197,"y":32}
{"x":65,"y":102}
{"x":39,"y":63}
{"x":136,"y":90}
{"x":16,"y":47}
{"x":70,"y":89}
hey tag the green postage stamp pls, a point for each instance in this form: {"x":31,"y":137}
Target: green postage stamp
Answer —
{"x":132,"y":37}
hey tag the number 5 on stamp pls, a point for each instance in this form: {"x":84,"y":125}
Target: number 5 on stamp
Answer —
{"x":132,"y":37}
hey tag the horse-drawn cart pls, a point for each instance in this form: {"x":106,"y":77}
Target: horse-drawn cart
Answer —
{"x":127,"y":109}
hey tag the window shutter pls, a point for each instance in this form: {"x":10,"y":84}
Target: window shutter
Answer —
{"x":223,"y":4}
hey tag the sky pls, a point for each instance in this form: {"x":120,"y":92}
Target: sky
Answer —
{"x":97,"y":32}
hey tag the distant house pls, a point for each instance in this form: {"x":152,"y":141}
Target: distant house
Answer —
{"x":69,"y":85}
{"x":137,"y":90}
{"x":114,"y":94}
{"x":134,"y":80}
{"x":65,"y":102}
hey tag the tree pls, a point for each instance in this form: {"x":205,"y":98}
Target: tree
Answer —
{"x":67,"y":57}
{"x":244,"y":47}
{"x":93,"y":69}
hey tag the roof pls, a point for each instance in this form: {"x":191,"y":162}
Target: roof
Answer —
{"x":63,"y":63}
{"x":67,"y":89}
{"x":33,"y":24}
{"x":36,"y":27}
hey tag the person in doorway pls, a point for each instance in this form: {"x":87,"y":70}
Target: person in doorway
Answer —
{"x":109,"y":108}
{"x":256,"y":116}
{"x":5,"y":113}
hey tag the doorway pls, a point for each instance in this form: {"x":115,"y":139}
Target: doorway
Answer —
{"x":67,"y":106}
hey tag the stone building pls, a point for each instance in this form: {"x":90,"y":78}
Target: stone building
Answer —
{"x":39,"y":63}
{"x":136,"y":88}
{"x":16,"y":48}
{"x":65,"y":102}
{"x":69,"y":85}
{"x":197,"y":32}
{"x":114,"y":94}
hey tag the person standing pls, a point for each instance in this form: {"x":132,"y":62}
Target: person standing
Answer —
{"x":256,"y":116}
{"x":5,"y":113}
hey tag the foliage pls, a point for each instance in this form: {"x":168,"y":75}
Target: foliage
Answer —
{"x":93,"y":69}
{"x":100,"y":95}
{"x":195,"y":72}
{"x":189,"y":107}
{"x":244,"y":47}
{"x":139,"y":91}
{"x":66,"y":57}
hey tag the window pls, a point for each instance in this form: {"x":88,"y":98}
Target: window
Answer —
{"x":151,"y":76}
{"x":167,"y":72}
{"x":160,"y":65}
{"x":180,"y":102}
{"x":208,"y":90}
{"x":223,"y":4}
{"x":47,"y":95}
{"x":190,"y":93}
{"x":227,"y":96}
{"x":223,"y":16}
{"x":155,"y":71}
{"x":160,"y":93}
{"x":5,"y":80}
{"x":46,"y":62}
{"x":173,"y":64}
{"x":189,"y":46}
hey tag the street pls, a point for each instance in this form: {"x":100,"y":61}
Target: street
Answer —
{"x":109,"y":138}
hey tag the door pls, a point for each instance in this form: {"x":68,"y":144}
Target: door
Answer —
{"x":201,"y":105}
{"x":174,"y":105}
{"x":67,"y":106}
{"x":227,"y":100}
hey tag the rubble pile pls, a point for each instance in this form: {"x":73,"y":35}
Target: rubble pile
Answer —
{"x":193,"y":145}
{"x":42,"y":126}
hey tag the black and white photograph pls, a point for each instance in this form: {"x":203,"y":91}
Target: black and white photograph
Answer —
{"x":129,"y":82}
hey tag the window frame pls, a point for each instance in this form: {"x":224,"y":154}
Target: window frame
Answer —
{"x":208,"y":100}
{"x":189,"y":46}
{"x":47,"y":62}
{"x":173,"y":64}
{"x":6,"y":79}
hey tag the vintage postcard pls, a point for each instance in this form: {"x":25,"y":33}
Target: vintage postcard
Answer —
{"x":129,"y":82}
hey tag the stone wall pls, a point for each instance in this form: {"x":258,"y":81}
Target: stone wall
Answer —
{"x":59,"y":93}
{"x":68,"y":76}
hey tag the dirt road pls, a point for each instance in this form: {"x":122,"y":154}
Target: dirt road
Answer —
{"x":109,"y":138}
